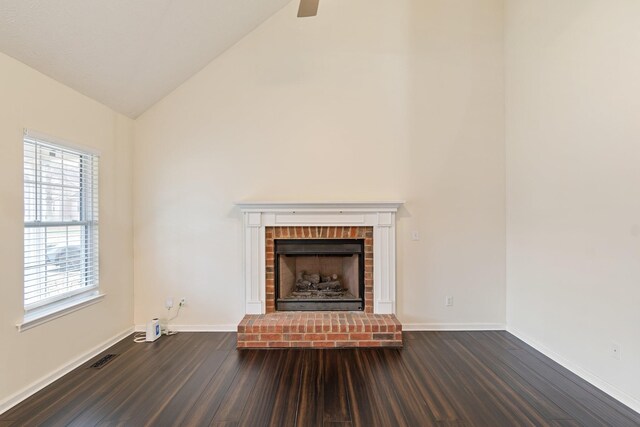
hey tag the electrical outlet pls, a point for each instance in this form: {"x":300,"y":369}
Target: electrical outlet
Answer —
{"x":615,"y":350}
{"x":183,"y":301}
{"x":448,"y":301}
{"x":168,"y":303}
{"x":415,"y":235}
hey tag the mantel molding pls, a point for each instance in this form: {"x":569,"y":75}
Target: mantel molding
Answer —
{"x":379,"y":215}
{"x":293,"y":207}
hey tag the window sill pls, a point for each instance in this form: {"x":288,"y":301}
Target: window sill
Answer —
{"x":50,"y":312}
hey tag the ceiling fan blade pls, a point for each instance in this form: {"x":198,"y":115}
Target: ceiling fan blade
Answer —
{"x":308,"y":8}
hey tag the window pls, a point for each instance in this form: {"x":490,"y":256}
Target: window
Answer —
{"x":60,"y":222}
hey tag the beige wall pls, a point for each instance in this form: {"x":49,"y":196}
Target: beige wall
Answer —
{"x":28,"y":99}
{"x":374,"y":100}
{"x":573,"y":156}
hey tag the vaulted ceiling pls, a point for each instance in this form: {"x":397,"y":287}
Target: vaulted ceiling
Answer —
{"x":127,"y":54}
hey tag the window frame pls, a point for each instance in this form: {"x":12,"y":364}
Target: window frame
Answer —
{"x":50,"y":307}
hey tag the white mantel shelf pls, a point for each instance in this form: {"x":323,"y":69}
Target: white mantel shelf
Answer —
{"x":380,"y":215}
{"x":387,"y":206}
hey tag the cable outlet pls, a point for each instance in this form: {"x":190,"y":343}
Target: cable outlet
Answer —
{"x":616,"y":351}
{"x":448,"y":301}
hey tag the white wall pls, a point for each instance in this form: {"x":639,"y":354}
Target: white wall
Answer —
{"x":28,"y":99}
{"x":371,"y":100}
{"x":573,"y":210}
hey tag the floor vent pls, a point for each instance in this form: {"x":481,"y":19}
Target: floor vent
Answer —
{"x":103,"y":361}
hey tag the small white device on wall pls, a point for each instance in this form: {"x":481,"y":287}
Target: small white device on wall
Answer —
{"x":153,"y":330}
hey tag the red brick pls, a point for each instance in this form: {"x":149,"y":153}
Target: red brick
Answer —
{"x":259,"y":330}
{"x":337,"y":337}
{"x":315,"y":337}
{"x":369,"y":343}
{"x":359,"y":336}
{"x":323,"y":344}
{"x":383,"y":336}
{"x":293,"y":337}
{"x":271,"y":337}
{"x":248,"y":337}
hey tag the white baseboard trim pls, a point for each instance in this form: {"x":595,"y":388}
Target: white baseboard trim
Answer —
{"x":38,"y":385}
{"x":453,"y":326}
{"x":589,"y":377}
{"x":196,"y":328}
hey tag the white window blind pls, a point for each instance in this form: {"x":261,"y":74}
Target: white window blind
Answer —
{"x":60,"y":222}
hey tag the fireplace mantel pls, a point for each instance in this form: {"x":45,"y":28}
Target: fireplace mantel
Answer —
{"x":379,"y":215}
{"x":358,"y":207}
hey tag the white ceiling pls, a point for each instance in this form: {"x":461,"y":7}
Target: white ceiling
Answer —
{"x":127,"y":54}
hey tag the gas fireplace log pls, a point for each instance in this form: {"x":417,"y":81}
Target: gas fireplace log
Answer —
{"x":334,"y":284}
{"x":303,"y":285}
{"x":313,"y":278}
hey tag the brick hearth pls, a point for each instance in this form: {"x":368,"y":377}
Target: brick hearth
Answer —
{"x":328,"y":329}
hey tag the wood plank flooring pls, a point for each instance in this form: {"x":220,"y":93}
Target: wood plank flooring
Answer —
{"x":438,"y":379}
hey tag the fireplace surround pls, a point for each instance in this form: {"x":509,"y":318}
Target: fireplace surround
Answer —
{"x":320,"y":249}
{"x":319,"y":220}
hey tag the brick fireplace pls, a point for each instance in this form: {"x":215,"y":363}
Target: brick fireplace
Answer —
{"x":302,"y":278}
{"x":318,"y":233}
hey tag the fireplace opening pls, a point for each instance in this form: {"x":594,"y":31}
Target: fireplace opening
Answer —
{"x":319,"y":275}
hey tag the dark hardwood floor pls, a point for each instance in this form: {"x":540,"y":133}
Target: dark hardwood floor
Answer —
{"x":438,"y":379}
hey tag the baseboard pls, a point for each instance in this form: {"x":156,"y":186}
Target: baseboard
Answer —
{"x":196,"y":328}
{"x":453,"y":326}
{"x":589,"y":377}
{"x":38,"y":385}
{"x":405,"y":327}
